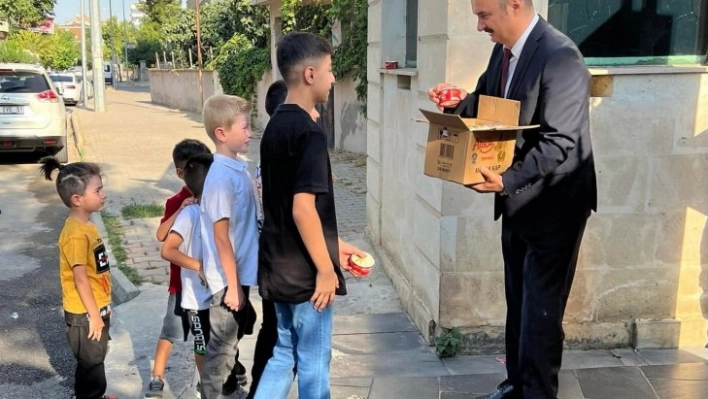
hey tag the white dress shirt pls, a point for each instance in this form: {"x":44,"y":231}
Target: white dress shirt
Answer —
{"x":516,"y":52}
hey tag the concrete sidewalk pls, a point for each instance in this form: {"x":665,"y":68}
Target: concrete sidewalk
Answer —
{"x":377,"y":351}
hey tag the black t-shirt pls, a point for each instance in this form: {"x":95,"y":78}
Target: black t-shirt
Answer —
{"x":294,"y":159}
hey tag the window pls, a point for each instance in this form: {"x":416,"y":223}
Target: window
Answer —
{"x":399,"y":31}
{"x":411,"y":33}
{"x":635,"y":32}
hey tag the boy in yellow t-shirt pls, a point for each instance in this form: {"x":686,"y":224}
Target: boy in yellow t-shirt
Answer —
{"x":84,"y":272}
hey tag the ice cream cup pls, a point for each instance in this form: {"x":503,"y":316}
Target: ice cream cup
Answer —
{"x":361,"y":266}
{"x":449,"y":97}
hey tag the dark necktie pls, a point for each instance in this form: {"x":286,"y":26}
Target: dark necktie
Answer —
{"x":505,"y":70}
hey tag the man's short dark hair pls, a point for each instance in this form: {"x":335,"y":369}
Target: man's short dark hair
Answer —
{"x":186,"y":149}
{"x":195,"y":171}
{"x":275,"y":96}
{"x":296,"y":48}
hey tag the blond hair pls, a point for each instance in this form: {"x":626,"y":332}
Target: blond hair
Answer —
{"x":221,"y":111}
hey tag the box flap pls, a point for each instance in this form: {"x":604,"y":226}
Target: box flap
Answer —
{"x":499,"y":110}
{"x":451,"y":121}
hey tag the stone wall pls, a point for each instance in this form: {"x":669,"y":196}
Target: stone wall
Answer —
{"x":640,"y":278}
{"x":179,"y":89}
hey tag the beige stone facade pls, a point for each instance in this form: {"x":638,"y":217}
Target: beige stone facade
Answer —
{"x":643,"y":271}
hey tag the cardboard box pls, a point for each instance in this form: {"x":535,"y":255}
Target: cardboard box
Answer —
{"x":458,"y":147}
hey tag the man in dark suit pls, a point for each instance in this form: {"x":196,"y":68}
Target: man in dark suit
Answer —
{"x":548,"y":193}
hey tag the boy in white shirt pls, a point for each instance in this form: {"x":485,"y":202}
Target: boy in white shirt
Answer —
{"x":229,"y":226}
{"x":183,"y":247}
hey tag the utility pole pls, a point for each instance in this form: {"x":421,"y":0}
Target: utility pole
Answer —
{"x":114,"y":57}
{"x":125,"y":37}
{"x":199,"y":52}
{"x":99,"y":85}
{"x":84,"y":70}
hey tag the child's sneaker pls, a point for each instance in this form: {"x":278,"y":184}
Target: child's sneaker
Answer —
{"x":157,"y":385}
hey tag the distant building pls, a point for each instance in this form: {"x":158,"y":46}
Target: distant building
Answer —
{"x":74,"y":25}
{"x":46,"y":27}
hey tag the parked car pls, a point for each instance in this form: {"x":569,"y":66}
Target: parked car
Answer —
{"x":70,"y":86}
{"x":32,"y":113}
{"x":108,"y":73}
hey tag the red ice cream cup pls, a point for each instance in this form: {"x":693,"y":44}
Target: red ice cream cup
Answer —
{"x":449,"y":97}
{"x":361,"y":266}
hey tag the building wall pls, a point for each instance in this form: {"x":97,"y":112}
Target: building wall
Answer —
{"x":641,"y":274}
{"x":179,"y":89}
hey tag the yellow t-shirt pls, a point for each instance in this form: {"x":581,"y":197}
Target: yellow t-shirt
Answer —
{"x":81,"y":244}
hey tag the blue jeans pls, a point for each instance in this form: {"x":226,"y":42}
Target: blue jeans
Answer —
{"x":305,"y":338}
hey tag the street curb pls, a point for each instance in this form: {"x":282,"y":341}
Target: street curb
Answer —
{"x":78,"y":134}
{"x":122,"y":290}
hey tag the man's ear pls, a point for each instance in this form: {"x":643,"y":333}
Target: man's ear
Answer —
{"x":180,"y":173}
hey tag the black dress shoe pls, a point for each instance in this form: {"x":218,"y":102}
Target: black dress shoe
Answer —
{"x":506,"y":390}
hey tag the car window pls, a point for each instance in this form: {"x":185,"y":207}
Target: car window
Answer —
{"x":22,"y":82}
{"x":106,"y":68}
{"x":61,"y":78}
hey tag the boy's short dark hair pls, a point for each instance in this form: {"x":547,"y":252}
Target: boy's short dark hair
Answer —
{"x":195,"y":171}
{"x":276,"y":94}
{"x":186,"y":149}
{"x":296,"y":48}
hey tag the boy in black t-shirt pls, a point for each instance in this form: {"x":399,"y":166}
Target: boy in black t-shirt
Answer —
{"x":300,"y":253}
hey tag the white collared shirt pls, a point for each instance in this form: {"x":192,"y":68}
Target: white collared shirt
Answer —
{"x":229,"y":194}
{"x":516,"y":52}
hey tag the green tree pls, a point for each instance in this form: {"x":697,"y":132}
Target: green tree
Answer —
{"x":58,"y":51}
{"x":221,"y":19}
{"x":179,"y":34}
{"x":23,"y":14}
{"x":120,"y":31}
{"x":147,"y":40}
{"x":160,"y":11}
{"x":13,"y":52}
{"x":63,"y":51}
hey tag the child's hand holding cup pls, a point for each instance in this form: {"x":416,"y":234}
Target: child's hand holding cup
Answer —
{"x":360,"y":266}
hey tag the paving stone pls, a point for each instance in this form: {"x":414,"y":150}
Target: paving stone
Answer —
{"x":399,"y":387}
{"x":589,"y":359}
{"x":568,"y":385}
{"x":614,"y":382}
{"x":350,"y":388}
{"x":668,"y":356}
{"x":407,"y":364}
{"x":679,"y":381}
{"x":379,"y":343}
{"x":463,"y":365}
{"x":479,"y":384}
{"x":629,"y":357}
{"x":373,"y":323}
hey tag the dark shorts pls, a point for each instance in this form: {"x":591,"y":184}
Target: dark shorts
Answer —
{"x":199,"y":325}
{"x":175,"y":325}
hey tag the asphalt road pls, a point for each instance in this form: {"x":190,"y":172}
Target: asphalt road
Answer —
{"x":35,"y":360}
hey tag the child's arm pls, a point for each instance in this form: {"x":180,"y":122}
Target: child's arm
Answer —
{"x":171,"y":253}
{"x":164,"y":229}
{"x":309,"y":225}
{"x":81,"y":281}
{"x":234,"y":297}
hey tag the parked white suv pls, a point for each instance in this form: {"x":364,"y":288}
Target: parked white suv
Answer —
{"x":32,"y":113}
